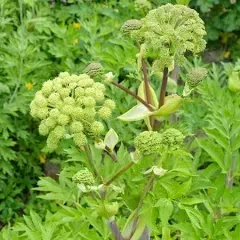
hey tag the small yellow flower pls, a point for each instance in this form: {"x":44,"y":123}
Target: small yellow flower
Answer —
{"x":75,"y":41}
{"x":77,"y":25}
{"x":42,"y":158}
{"x":226,"y":54}
{"x":29,"y":86}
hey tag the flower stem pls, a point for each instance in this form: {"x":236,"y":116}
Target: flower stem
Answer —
{"x":133,"y":95}
{"x":146,"y":189}
{"x":118,"y":174}
{"x":115,"y":230}
{"x":163,"y":87}
{"x":146,"y":83}
{"x":90,"y":158}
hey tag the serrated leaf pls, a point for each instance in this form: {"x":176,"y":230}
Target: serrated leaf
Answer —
{"x":165,"y":209}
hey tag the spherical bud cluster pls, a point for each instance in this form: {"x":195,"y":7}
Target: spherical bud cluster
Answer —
{"x":148,"y":142}
{"x":93,"y":69}
{"x":195,"y":76}
{"x":172,"y":138}
{"x":143,"y":5}
{"x":83,"y":177}
{"x":168,"y":32}
{"x":71,"y":104}
{"x":129,"y":26}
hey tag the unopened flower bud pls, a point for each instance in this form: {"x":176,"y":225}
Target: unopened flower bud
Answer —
{"x":97,"y":128}
{"x":130,"y":25}
{"x":63,"y":119}
{"x":195,"y":76}
{"x":110,"y":103}
{"x":104,"y":113}
{"x":76,"y":127}
{"x":94,"y":69}
{"x":80,"y":139}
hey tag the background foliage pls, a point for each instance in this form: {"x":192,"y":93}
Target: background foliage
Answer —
{"x":38,"y":40}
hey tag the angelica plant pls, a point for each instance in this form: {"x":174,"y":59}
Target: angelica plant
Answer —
{"x":75,"y":107}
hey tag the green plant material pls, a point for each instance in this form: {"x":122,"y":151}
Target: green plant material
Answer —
{"x":234,"y":81}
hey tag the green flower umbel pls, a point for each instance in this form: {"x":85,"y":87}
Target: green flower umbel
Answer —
{"x":83,"y":177}
{"x":73,"y":105}
{"x":195,"y":76}
{"x":168,"y":32}
{"x":148,"y":142}
{"x":172,"y":139}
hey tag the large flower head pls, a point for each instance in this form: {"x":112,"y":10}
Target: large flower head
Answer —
{"x":169,"y":31}
{"x":71,"y":104}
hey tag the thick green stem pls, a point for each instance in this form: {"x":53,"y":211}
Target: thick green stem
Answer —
{"x":163,"y":87}
{"x":146,"y":82}
{"x":133,"y":95}
{"x":91,"y":161}
{"x":118,"y":174}
{"x":147,"y":188}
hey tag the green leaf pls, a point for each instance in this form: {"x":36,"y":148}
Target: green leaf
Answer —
{"x":136,"y":113}
{"x":165,"y":209}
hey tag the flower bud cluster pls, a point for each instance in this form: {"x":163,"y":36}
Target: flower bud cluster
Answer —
{"x":142,"y":5}
{"x":172,"y":138}
{"x":83,"y":177}
{"x":152,"y":142}
{"x":148,"y":142}
{"x":71,"y":104}
{"x":169,"y":31}
{"x":195,"y":76}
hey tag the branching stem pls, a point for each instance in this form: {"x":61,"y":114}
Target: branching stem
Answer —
{"x":91,"y":161}
{"x":133,"y":95}
{"x":163,"y":87}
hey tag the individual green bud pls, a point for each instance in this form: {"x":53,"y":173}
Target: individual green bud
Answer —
{"x":104,"y":113}
{"x":110,"y":104}
{"x":33,"y":109}
{"x":76,"y":127}
{"x":77,"y":113}
{"x":43,"y":129}
{"x":89,"y":114}
{"x":172,"y":138}
{"x":97,"y":128}
{"x":80,"y":139}
{"x":67,"y":109}
{"x":83,"y":177}
{"x":54,"y":113}
{"x":40,"y":100}
{"x":64,"y":75}
{"x":42,"y":112}
{"x":63,"y":119}
{"x":90,"y":92}
{"x":99,"y":96}
{"x":54,"y":98}
{"x":79,"y":92}
{"x":50,"y":122}
{"x":234,"y":81}
{"x":130,"y":25}
{"x":72,"y":85}
{"x":59,"y":132}
{"x":93,"y":69}
{"x":64,"y":92}
{"x":108,"y":210}
{"x":195,"y":76}
{"x":47,"y":88}
{"x":57,"y":87}
{"x":85,"y":81}
{"x":148,"y":142}
{"x":88,"y":101}
{"x":99,"y":86}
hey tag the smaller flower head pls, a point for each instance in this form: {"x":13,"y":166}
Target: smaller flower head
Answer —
{"x":83,"y":177}
{"x":148,"y":142}
{"x":93,"y":69}
{"x":172,"y":138}
{"x":195,"y":76}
